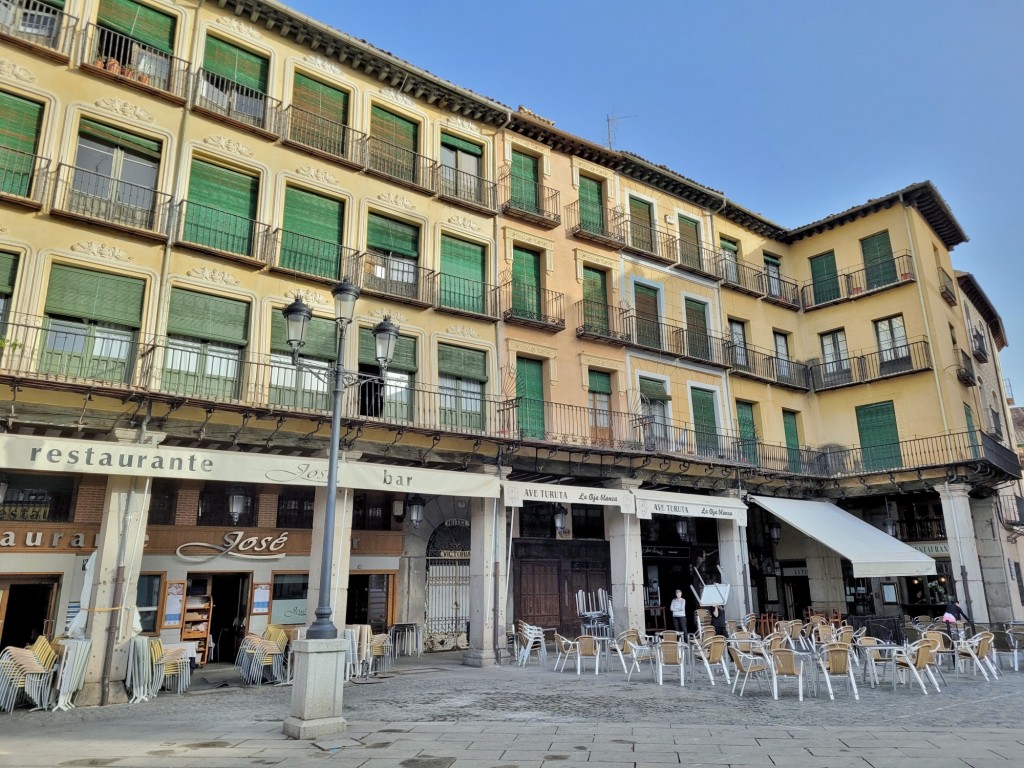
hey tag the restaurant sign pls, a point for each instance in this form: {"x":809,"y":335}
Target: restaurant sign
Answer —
{"x":932,"y":548}
{"x":236,"y":544}
{"x":517,"y":493}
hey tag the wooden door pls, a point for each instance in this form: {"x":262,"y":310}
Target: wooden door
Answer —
{"x":537,"y":593}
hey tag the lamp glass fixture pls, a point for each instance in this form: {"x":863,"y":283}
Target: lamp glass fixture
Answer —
{"x":559,"y":516}
{"x":296,"y":319}
{"x":775,"y":531}
{"x":414,"y":509}
{"x":385,"y":338}
{"x":236,"y":505}
{"x":683,"y":529}
{"x":345,"y":295}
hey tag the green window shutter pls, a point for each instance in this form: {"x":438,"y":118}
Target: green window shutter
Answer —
{"x":689,"y":230}
{"x":729,"y":245}
{"x":525,"y":178}
{"x":705,"y":420}
{"x":225,"y":190}
{"x":689,"y":243}
{"x":320,"y":99}
{"x":207,"y":317}
{"x":824,"y":278}
{"x":526,"y":298}
{"x":879,"y":266}
{"x":389,"y":236}
{"x":646,"y":300}
{"x":530,"y":393}
{"x":454,"y":142}
{"x":20,"y":122}
{"x":106,"y":298}
{"x":595,"y":299}
{"x":393,"y":129}
{"x":119,"y":138}
{"x":793,"y":458}
{"x":526,"y":167}
{"x":235,"y":64}
{"x":8,"y":271}
{"x":972,"y":431}
{"x":315,"y":216}
{"x":640,"y":212}
{"x":747,"y":430}
{"x":462,"y":363}
{"x":879,"y":436}
{"x":641,"y":224}
{"x":591,"y":205}
{"x":139,"y":22}
{"x":321,"y":337}
{"x":405,"y":352}
{"x":653,"y":389}
{"x":696,"y":316}
{"x":463,"y":270}
{"x":599,"y":382}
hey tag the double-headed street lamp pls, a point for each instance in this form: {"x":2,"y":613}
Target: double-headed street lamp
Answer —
{"x":297,"y":316}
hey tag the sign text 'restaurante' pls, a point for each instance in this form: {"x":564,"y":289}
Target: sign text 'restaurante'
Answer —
{"x":93,"y":457}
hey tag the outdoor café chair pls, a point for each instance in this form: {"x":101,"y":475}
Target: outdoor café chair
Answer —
{"x":786,"y":663}
{"x":915,"y":660}
{"x":638,"y":653}
{"x":1007,"y":645}
{"x":587,"y":647}
{"x":977,"y":650}
{"x":873,"y":660}
{"x":712,"y":654}
{"x":620,"y":647}
{"x":564,"y":650}
{"x":834,"y":661}
{"x":748,"y":665}
{"x":670,"y":653}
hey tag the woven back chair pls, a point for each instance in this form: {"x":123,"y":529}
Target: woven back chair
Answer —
{"x":564,"y":650}
{"x":587,"y":647}
{"x":748,"y":666}
{"x":671,"y":656}
{"x":835,"y":664}
{"x":785,"y":663}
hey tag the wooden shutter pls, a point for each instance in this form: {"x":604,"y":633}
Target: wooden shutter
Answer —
{"x":825,"y":281}
{"x":388,"y":236}
{"x":595,"y":299}
{"x":789,"y":426}
{"x":20,"y":121}
{"x":640,"y":212}
{"x":526,"y":281}
{"x":128,"y":141}
{"x":696,"y":315}
{"x":462,"y":363}
{"x":454,"y":142}
{"x":879,"y":436}
{"x":235,"y":64}
{"x":393,"y":129}
{"x":312,"y":215}
{"x":879,"y":267}
{"x":646,"y":300}
{"x":225,"y":190}
{"x":747,"y":430}
{"x":591,"y":205}
{"x":405,"y":352}
{"x":90,"y":295}
{"x":462,"y":274}
{"x":599,"y":382}
{"x":139,"y":22}
{"x":703,"y":404}
{"x":207,"y":317}
{"x":530,"y":392}
{"x":8,"y":271}
{"x":525,"y":178}
{"x":653,"y":389}
{"x":320,"y":99}
{"x":321,"y":337}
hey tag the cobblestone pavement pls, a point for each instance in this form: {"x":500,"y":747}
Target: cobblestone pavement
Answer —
{"x":433,"y":712}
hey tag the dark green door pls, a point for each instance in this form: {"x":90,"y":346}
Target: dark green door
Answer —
{"x":748,"y":432}
{"x":595,"y":301}
{"x":698,"y":344}
{"x":591,"y":210}
{"x":705,"y":422}
{"x":525,"y":178}
{"x":824,"y":280}
{"x":972,"y":433}
{"x":526,"y":300}
{"x":792,"y":440}
{"x":879,"y":267}
{"x":879,"y":437}
{"x":648,"y":325}
{"x":462,"y":275}
{"x":530,"y":393}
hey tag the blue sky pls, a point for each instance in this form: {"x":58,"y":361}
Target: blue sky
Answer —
{"x":794,"y":109}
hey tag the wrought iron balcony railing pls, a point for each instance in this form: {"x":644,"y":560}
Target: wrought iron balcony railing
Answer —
{"x":597,"y":224}
{"x":646,"y":239}
{"x":1010,"y":510}
{"x":467,"y":297}
{"x":461,"y":187}
{"x":38,"y":23}
{"x":698,"y":258}
{"x":965,"y":369}
{"x":542,"y":421}
{"x":523,"y":199}
{"x":755,"y":363}
{"x":302,"y":255}
{"x":780,"y":290}
{"x":397,"y":278}
{"x":947,"y":288}
{"x":120,"y":56}
{"x":978,"y":346}
{"x":330,"y":138}
{"x":741,"y":276}
{"x":853,"y":284}
{"x":99,"y":198}
{"x":703,"y":346}
{"x":527,"y":304}
{"x":400,"y":164}
{"x":243,"y":105}
{"x":922,"y":530}
{"x":596,"y":320}
{"x":209,"y":229}
{"x":22,"y":176}
{"x":910,"y":357}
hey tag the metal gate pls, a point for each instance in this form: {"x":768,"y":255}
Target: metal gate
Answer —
{"x":447,"y":592}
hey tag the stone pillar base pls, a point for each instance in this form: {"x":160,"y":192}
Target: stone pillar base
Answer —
{"x":92,"y":694}
{"x":477,"y":658}
{"x":317,"y":689}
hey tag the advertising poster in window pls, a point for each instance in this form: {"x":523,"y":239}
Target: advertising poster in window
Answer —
{"x":260,"y":599}
{"x":174,"y":600}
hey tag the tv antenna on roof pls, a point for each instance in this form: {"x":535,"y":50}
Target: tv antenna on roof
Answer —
{"x":612,"y":122}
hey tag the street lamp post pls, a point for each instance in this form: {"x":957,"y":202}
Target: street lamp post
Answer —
{"x":316,"y":696}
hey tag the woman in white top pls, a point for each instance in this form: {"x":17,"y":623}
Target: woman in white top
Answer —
{"x":678,"y":609}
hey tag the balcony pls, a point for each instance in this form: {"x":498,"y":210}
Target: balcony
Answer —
{"x":535,"y":203}
{"x":239,"y":104}
{"x":95,"y":198}
{"x":947,"y":288}
{"x":397,"y":278}
{"x":741,"y":276}
{"x":854,"y":284}
{"x":1010,"y":510}
{"x":753,"y":363}
{"x":899,"y":360}
{"x":978,"y":346}
{"x":398,"y":164}
{"x":602,"y":322}
{"x":110,"y":54}
{"x":526,"y":304}
{"x":598,"y":225}
{"x":462,"y":296}
{"x":22,"y":177}
{"x":541,"y":421}
{"x":698,"y":259}
{"x":965,"y":369}
{"x":645,"y":239}
{"x":780,"y":290}
{"x":317,"y":259}
{"x":701,"y":346}
{"x":325,"y":137}
{"x":467,"y":190}
{"x":38,"y":25}
{"x":220,"y":233}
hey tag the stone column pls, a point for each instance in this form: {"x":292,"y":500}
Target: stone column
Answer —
{"x":825,"y":576}
{"x":627,"y":588}
{"x":963,"y":549}
{"x":342,"y":554}
{"x":118,"y":555}
{"x":734,"y":561}
{"x":486,"y":579}
{"x":995,"y":572}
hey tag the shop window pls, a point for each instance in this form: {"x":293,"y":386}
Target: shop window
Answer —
{"x":295,"y":508}
{"x":36,"y":498}
{"x":147,"y":600}
{"x":289,"y":598}
{"x":587,"y":521}
{"x":163,"y":500}
{"x":227,"y":505}
{"x":370,"y":512}
{"x":536,"y":521}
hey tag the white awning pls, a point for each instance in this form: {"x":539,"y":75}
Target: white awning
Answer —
{"x":517,"y":493}
{"x":872,"y":552}
{"x":689,"y":505}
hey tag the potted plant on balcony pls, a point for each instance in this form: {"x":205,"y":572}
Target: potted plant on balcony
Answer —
{"x":114,"y":66}
{"x":100,"y":62}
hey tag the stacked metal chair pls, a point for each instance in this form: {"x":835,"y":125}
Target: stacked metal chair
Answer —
{"x":27,"y":672}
